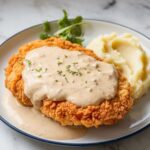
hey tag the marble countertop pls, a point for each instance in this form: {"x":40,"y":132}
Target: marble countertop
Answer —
{"x":16,"y":15}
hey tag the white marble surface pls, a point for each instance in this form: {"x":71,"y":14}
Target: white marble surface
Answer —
{"x":16,"y":15}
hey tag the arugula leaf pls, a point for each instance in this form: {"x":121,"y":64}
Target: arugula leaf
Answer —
{"x":68,"y":29}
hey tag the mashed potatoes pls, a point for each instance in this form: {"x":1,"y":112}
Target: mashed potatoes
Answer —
{"x":127,"y":53}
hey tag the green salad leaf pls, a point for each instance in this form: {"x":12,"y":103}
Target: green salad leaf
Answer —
{"x":46,"y":26}
{"x":68,"y":29}
{"x":64,"y":22}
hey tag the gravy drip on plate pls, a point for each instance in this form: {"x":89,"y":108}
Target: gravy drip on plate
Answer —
{"x":60,"y":74}
{"x":32,"y":121}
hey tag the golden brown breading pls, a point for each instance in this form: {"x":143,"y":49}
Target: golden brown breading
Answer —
{"x":107,"y":112}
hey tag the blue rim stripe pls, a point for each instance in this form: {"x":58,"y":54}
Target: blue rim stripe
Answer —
{"x":68,"y":144}
{"x":63,"y":143}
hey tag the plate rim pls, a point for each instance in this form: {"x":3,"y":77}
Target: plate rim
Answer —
{"x":66,"y":143}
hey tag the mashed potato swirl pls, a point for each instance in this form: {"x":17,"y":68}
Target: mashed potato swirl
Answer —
{"x":126,"y":52}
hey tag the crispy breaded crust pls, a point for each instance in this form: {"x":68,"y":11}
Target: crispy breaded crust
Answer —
{"x":108,"y":112}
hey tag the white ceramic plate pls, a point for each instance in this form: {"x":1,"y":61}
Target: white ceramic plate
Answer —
{"x":137,"y":119}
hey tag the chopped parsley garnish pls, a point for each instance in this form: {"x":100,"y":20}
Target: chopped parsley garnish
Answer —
{"x":46,"y":69}
{"x":63,"y":75}
{"x":39,"y":76}
{"x":79,"y":73}
{"x":75,"y":63}
{"x":76,"y":72}
{"x":66,"y":79}
{"x":38,"y":69}
{"x":28,"y":62}
{"x":68,"y":67}
{"x":59,"y":72}
{"x":68,"y":29}
{"x":59,"y":62}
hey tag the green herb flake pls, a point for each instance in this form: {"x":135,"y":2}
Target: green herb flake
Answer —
{"x":68,"y":67}
{"x":59,"y":62}
{"x":66,"y":79}
{"x":59,"y":72}
{"x":75,"y":63}
{"x":80,"y":74}
{"x":46,"y":69}
{"x":39,"y":76}
{"x":38,"y":69}
{"x":28,"y":62}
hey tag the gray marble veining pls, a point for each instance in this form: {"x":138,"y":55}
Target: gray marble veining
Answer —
{"x":16,"y":15}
